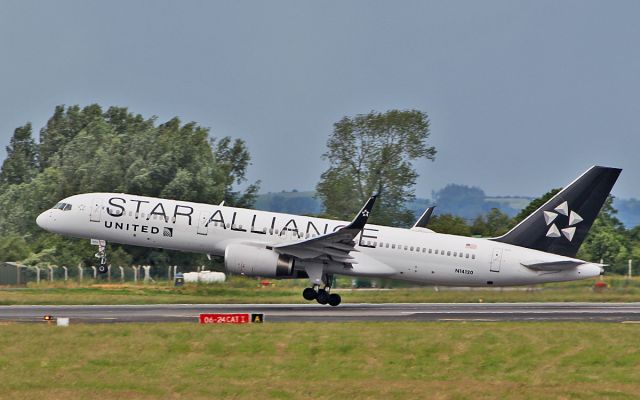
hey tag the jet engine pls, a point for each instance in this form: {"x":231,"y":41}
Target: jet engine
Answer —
{"x":254,"y":261}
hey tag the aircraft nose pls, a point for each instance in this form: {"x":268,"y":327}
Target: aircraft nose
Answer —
{"x":43,"y":220}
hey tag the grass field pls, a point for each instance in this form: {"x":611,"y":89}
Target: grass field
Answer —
{"x":242,"y":290}
{"x":324,"y":361}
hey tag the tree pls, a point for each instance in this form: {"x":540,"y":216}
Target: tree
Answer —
{"x":465,"y":201}
{"x":607,"y":240}
{"x":450,"y":224}
{"x":233,"y":159}
{"x":21,"y":164}
{"x":374,"y":153}
{"x":492,"y":224}
{"x":534,"y":205}
{"x":13,"y":248}
{"x":90,"y":150}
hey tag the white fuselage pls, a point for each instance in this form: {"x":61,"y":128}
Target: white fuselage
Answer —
{"x":417,"y":255}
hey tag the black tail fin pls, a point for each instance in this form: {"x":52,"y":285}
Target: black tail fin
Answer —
{"x":562,"y":223}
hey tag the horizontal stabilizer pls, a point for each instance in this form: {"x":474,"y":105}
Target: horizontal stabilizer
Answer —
{"x":559,"y":265}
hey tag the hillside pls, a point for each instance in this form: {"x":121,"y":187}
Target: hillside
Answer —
{"x":304,"y":202}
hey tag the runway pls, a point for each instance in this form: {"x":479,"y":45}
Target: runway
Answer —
{"x":597,"y":312}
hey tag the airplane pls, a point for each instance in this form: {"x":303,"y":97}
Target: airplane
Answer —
{"x":540,"y":249}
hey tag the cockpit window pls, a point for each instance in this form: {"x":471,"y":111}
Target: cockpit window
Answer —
{"x":62,"y":206}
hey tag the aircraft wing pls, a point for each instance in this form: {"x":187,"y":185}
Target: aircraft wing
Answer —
{"x":334,"y":246}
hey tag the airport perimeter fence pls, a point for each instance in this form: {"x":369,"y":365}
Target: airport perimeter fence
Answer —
{"x":12,"y":273}
{"x":16,"y":274}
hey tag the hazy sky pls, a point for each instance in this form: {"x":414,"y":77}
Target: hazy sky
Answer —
{"x":522,"y":96}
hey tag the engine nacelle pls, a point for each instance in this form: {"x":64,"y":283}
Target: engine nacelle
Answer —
{"x":254,"y":261}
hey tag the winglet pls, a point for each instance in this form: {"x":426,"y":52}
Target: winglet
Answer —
{"x":424,"y":218}
{"x":361,"y":219}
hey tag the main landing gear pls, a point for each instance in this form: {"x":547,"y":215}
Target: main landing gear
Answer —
{"x":324,"y":295}
{"x":102,"y":255}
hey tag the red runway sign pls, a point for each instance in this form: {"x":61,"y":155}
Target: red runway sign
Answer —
{"x":224,"y":318}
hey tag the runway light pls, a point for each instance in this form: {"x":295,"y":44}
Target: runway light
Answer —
{"x":48,"y":318}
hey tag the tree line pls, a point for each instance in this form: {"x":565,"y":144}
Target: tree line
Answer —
{"x":376,"y":153}
{"x":94,"y":150}
{"x":89,"y":149}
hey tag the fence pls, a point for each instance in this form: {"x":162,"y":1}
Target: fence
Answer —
{"x":18,"y":274}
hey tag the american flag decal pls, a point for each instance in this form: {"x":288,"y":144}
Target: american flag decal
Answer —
{"x":470,"y":246}
{"x":168,"y":232}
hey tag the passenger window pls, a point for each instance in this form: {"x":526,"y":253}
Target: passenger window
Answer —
{"x":436,"y":251}
{"x":406,"y":247}
{"x":411,"y":248}
{"x":460,"y":255}
{"x":448,"y":253}
{"x":393,"y":246}
{"x":429,"y":251}
{"x":424,"y":249}
{"x":467,"y":255}
{"x":455,"y":254}
{"x":473,"y":256}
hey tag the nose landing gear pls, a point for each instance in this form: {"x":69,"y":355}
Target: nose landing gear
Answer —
{"x":102,"y":255}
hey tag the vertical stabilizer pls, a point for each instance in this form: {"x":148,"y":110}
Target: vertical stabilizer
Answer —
{"x":562,"y":223}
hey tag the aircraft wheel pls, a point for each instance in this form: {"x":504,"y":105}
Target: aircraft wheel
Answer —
{"x":309,"y":294}
{"x":102,"y":269}
{"x":323,"y":296}
{"x":334,"y":299}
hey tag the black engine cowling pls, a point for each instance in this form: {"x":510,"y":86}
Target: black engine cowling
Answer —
{"x":255,"y":261}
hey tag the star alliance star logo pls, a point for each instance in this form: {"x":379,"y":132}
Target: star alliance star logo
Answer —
{"x":365,"y":213}
{"x":570,"y":230}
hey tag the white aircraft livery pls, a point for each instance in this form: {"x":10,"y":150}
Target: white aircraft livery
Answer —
{"x":541,"y":248}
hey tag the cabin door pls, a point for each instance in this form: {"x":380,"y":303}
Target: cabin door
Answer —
{"x":496,"y":260}
{"x":202,"y":223}
{"x":96,"y":209}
